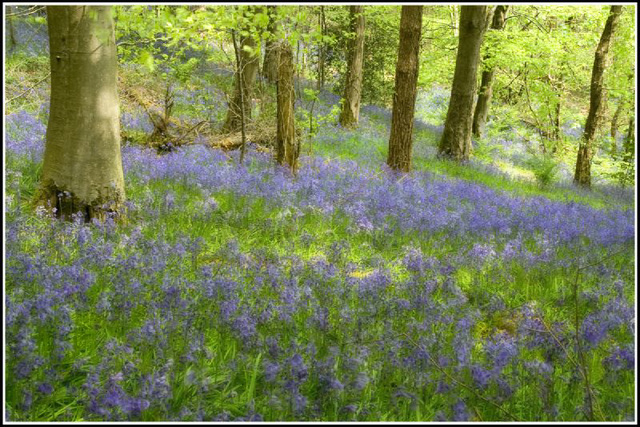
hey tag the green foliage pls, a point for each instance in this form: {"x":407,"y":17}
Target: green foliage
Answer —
{"x":184,"y":71}
{"x":381,"y":39}
{"x":382,"y":29}
{"x":438,"y":47}
{"x":544,"y":169}
{"x":625,"y":175}
{"x":308,"y":119}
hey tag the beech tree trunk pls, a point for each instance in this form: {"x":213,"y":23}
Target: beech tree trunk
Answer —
{"x":404,"y":98}
{"x":287,"y":147}
{"x":270,"y":64}
{"x":582,"y":175}
{"x":456,"y":137}
{"x":82,"y":169}
{"x":249,"y":63}
{"x":486,"y":87}
{"x":353,"y":86}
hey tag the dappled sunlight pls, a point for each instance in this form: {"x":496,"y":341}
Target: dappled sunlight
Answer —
{"x":226,"y":288}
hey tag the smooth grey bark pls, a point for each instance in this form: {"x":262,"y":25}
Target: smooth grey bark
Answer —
{"x":456,"y":137}
{"x":82,"y":152}
{"x":582,"y":175}
{"x":353,"y":86}
{"x":404,"y":98}
{"x":486,"y":87}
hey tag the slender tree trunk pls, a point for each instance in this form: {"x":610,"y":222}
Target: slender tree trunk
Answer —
{"x":12,"y":35}
{"x":582,"y":175}
{"x":453,"y":14}
{"x":614,"y":128}
{"x":556,"y":127}
{"x":630,"y":138}
{"x":623,"y":104}
{"x":615,"y":119}
{"x":287,"y":147}
{"x":298,"y":68}
{"x":82,"y":169}
{"x":321,"y":50}
{"x":353,"y":86}
{"x":248,"y":70}
{"x":404,"y":98}
{"x":270,"y":65}
{"x":456,"y":137}
{"x":241,"y":86}
{"x":486,"y":87}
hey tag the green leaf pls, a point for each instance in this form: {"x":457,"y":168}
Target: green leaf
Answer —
{"x":254,"y":376}
{"x":146,"y":58}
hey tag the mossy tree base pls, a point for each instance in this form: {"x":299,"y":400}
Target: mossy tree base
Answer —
{"x":65,"y":205}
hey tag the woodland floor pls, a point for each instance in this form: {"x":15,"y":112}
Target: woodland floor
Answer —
{"x":238,"y":292}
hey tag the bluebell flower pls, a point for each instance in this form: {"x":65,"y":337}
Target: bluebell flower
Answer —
{"x":460,"y":412}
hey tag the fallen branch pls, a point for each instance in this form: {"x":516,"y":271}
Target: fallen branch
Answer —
{"x":189,"y":131}
{"x":261,"y":137}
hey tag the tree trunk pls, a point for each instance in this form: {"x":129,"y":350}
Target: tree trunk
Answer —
{"x":404,"y":98}
{"x":287,"y":147}
{"x":556,"y":127}
{"x":585,"y":151}
{"x":614,"y":128}
{"x":321,"y":49}
{"x":82,"y":169}
{"x":270,"y":65}
{"x":456,"y":137}
{"x":615,"y":119}
{"x":630,"y":139}
{"x":298,"y":68}
{"x":12,"y":35}
{"x":249,"y":63}
{"x":353,"y":85}
{"x":484,"y":97}
{"x":241,"y":86}
{"x":453,"y":14}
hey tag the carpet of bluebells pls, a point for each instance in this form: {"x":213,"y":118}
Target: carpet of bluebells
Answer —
{"x":237,"y":292}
